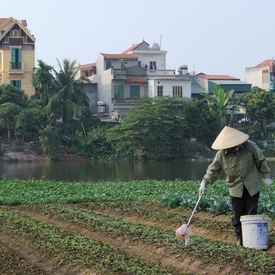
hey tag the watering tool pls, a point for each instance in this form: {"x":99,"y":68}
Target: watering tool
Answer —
{"x":185,"y":230}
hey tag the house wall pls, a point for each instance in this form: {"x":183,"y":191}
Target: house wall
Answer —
{"x":100,"y":64}
{"x":255,"y":77}
{"x":203,"y":83}
{"x":146,"y":56}
{"x":122,"y":64}
{"x":104,"y":86}
{"x":25,"y":77}
{"x":90,"y":90}
{"x":143,"y":89}
{"x":168,"y":87}
{"x":103,"y":78}
{"x":28,"y":58}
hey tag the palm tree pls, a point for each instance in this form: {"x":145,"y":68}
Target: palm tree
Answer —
{"x":44,"y":82}
{"x":70,"y":99}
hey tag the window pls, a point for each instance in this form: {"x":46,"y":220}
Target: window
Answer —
{"x":177,"y":91}
{"x":134,"y":91}
{"x":88,"y":73}
{"x":153,"y":65}
{"x":16,"y":59}
{"x":15,"y":33}
{"x":139,"y":63}
{"x":16,"y":83}
{"x":118,"y":91}
{"x":160,"y":91}
{"x":108,"y":65}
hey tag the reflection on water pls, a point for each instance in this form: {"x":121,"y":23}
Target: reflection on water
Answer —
{"x":109,"y":170}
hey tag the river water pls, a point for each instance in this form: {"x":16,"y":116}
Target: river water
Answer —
{"x":108,"y":170}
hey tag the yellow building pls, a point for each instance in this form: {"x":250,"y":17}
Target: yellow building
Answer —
{"x":17,"y":54}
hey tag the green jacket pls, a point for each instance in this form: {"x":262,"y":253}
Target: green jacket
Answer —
{"x":245,"y":167}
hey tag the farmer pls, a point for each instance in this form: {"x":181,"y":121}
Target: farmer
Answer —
{"x":244,"y":166}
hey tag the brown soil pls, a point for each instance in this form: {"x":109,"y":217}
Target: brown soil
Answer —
{"x":19,"y":255}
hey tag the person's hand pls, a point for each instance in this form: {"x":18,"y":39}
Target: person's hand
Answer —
{"x":267,"y":182}
{"x":202,"y":188}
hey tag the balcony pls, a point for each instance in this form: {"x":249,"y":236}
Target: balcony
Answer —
{"x":119,"y":73}
{"x":16,"y":68}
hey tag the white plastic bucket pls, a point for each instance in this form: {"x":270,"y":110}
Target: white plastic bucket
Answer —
{"x":255,"y":231}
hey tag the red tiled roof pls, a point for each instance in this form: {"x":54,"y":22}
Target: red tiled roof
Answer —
{"x":23,"y":22}
{"x":2,"y":20}
{"x":217,"y":77}
{"x":134,"y":47}
{"x":135,"y":80}
{"x":119,"y":56}
{"x":267,"y":62}
{"x":87,"y":66}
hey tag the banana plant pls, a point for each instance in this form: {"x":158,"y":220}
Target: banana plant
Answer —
{"x":219,"y":103}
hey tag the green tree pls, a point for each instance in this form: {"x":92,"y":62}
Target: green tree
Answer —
{"x":28,"y":124}
{"x":51,"y":142}
{"x":8,"y":114}
{"x":14,"y":95}
{"x":94,"y":144}
{"x":202,"y":124}
{"x":260,"y":107}
{"x":154,"y":129}
{"x":219,"y":104}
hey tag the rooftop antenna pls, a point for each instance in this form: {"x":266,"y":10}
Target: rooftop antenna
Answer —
{"x":160,"y":41}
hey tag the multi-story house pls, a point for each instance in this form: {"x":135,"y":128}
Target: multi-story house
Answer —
{"x":138,"y":72}
{"x":262,"y":76}
{"x":17,"y":54}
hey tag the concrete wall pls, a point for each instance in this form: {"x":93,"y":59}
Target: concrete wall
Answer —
{"x":168,"y":87}
{"x":146,"y":56}
{"x":254,"y":76}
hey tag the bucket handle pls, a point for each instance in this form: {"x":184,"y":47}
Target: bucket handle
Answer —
{"x":252,"y":208}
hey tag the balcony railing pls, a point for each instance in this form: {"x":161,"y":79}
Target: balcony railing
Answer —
{"x":119,"y":73}
{"x":126,"y":100}
{"x":16,"y":68}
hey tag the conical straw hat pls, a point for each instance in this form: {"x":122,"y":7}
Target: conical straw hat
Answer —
{"x":228,"y":138}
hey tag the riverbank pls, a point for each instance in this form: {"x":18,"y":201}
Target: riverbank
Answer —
{"x":30,"y":152}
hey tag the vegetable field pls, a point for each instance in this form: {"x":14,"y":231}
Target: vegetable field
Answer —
{"x":124,"y":228}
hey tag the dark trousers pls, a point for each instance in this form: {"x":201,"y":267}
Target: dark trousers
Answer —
{"x":246,"y":205}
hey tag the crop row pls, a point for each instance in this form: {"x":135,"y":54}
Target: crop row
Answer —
{"x":10,"y":260}
{"x":167,"y":193}
{"x":78,"y":249}
{"x":203,"y":248}
{"x":147,"y":211}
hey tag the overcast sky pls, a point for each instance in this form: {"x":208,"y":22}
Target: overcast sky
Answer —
{"x":210,"y":36}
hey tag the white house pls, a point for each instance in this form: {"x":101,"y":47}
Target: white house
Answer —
{"x":138,"y":72}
